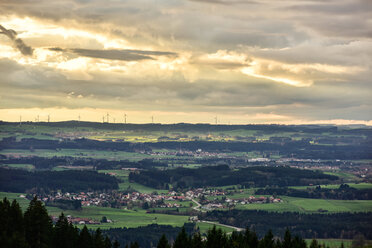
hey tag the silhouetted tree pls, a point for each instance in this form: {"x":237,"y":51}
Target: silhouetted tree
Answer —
{"x":163,"y":242}
{"x":38,"y":225}
{"x":182,"y":240}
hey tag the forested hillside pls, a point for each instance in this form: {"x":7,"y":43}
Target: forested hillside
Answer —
{"x":338,"y":225}
{"x":223,"y":175}
{"x":67,"y":181}
{"x":344,"y":192}
{"x":34,"y":229}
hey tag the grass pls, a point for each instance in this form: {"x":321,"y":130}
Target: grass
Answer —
{"x":123,"y":175}
{"x":102,"y":132}
{"x":28,"y":167}
{"x":120,"y":217}
{"x":204,"y":227}
{"x":79,"y":153}
{"x":23,"y":202}
{"x":332,"y":243}
{"x":347,"y":177}
{"x":305,"y":205}
{"x":335,"y":186}
{"x":123,"y":218}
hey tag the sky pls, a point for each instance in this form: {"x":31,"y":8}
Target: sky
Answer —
{"x":237,"y":61}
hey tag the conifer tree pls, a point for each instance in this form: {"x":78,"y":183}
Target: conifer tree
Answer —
{"x":314,"y":244}
{"x":196,"y":241}
{"x":267,"y":241}
{"x":182,"y":240}
{"x":134,"y":245}
{"x":251,"y":238}
{"x":98,"y":239}
{"x":85,"y":240}
{"x":163,"y":242}
{"x":38,"y":225}
{"x":116,"y":244}
{"x":107,"y":242}
{"x":62,"y":237}
{"x":287,"y":241}
{"x":216,"y":238}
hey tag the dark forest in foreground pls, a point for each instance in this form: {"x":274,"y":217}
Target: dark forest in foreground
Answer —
{"x":35,"y":229}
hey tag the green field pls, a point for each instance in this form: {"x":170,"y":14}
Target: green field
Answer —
{"x":19,"y":166}
{"x":123,"y":175}
{"x":332,"y":243}
{"x":78,"y":153}
{"x":23,"y":202}
{"x":306,"y":205}
{"x":346,"y":177}
{"x":204,"y":227}
{"x":124,"y":218}
{"x":113,"y":132}
{"x":335,"y":186}
{"x":120,"y":217}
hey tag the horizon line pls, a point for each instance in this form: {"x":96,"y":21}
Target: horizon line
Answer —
{"x":189,"y":123}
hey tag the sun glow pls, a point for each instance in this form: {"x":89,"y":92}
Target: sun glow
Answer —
{"x":250,"y":71}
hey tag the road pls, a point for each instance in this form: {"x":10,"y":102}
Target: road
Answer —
{"x":219,"y":224}
{"x":197,"y":208}
{"x":198,"y":205}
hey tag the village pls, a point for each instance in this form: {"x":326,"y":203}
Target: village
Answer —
{"x":200,"y":199}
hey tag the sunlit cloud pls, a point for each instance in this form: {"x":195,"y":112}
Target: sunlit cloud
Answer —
{"x":245,"y":61}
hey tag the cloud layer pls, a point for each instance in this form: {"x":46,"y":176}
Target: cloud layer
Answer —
{"x":250,"y":61}
{"x":114,"y":54}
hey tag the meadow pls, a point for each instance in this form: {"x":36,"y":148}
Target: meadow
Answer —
{"x":306,"y":205}
{"x":335,"y":186}
{"x":125,"y":184}
{"x":120,"y":217}
{"x":79,"y":153}
{"x":28,"y":167}
{"x":113,"y":132}
{"x":332,"y":243}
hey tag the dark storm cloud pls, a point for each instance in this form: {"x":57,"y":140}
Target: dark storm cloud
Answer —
{"x":18,"y":43}
{"x":113,"y":54}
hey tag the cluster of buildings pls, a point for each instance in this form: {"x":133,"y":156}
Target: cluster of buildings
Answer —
{"x":228,"y":202}
{"x":210,"y":198}
{"x":189,"y":153}
{"x":78,"y":220}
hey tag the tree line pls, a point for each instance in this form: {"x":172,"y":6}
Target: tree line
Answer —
{"x":216,"y":238}
{"x":43,"y":163}
{"x":344,"y":192}
{"x":297,"y":148}
{"x":67,"y":181}
{"x":222,"y":175}
{"x":147,"y":236}
{"x":338,"y":225}
{"x":35,"y":229}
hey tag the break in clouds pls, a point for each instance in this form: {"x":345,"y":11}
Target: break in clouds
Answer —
{"x":283,"y":60}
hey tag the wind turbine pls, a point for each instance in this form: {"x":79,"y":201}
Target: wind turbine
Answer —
{"x":20,"y":120}
{"x":152,"y":119}
{"x":79,"y":117}
{"x":125,"y":118}
{"x":107,"y":118}
{"x":215,"y":118}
